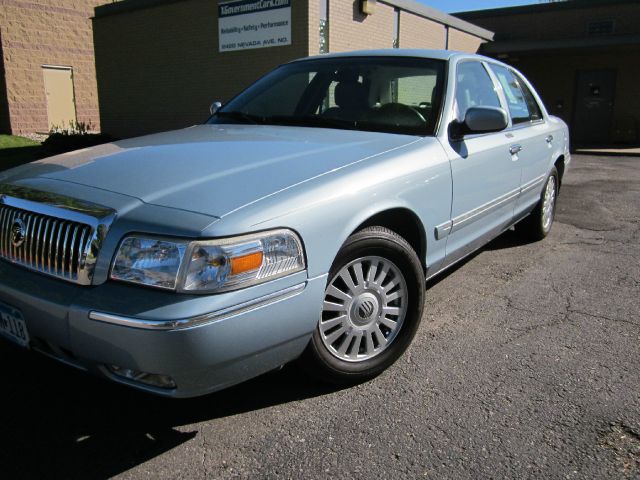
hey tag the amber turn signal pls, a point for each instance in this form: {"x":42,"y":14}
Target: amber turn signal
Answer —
{"x":246,"y":263}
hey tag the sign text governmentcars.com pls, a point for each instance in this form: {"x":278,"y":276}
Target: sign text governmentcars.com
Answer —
{"x":245,"y":24}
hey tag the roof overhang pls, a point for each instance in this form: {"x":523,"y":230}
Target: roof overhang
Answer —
{"x":440,"y":17}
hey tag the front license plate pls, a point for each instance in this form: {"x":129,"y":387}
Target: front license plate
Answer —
{"x":12,"y":325}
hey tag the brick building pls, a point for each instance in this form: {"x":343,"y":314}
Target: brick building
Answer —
{"x":582,"y":55}
{"x":160,"y":63}
{"x":47,"y":71}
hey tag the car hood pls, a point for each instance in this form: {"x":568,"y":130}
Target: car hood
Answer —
{"x":211,"y":169}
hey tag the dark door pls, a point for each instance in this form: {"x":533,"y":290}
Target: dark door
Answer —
{"x":594,"y":106}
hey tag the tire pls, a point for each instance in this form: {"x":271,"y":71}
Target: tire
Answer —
{"x":371,"y":310}
{"x":539,"y":222}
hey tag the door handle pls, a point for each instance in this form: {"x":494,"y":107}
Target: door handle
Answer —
{"x":549,"y":139}
{"x":514,"y":149}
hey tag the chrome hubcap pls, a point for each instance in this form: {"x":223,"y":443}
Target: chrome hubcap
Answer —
{"x":548,"y":203}
{"x":364,"y":307}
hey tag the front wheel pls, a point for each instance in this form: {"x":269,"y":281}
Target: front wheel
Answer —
{"x":372,"y":307}
{"x":538,"y":224}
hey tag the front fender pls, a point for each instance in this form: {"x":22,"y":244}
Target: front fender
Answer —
{"x":325,"y":211}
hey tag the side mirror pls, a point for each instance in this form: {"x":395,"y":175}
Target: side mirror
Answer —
{"x":479,"y":120}
{"x":215,"y":106}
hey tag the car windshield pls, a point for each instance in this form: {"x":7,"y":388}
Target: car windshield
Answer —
{"x":382,"y":94}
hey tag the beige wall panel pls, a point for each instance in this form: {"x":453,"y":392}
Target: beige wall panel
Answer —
{"x":314,"y":26}
{"x":350,"y":30}
{"x":61,"y":106}
{"x":420,"y":32}
{"x":463,"y":42}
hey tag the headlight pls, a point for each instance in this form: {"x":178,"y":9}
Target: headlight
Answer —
{"x":208,"y":266}
{"x":149,"y":261}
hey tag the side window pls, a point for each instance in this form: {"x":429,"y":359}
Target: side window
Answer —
{"x":515,"y":97}
{"x":474,"y":88}
{"x":534,"y":108}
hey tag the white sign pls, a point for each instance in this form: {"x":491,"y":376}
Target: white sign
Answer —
{"x":244,"y":24}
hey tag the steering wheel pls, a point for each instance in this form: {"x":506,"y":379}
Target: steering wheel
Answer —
{"x":401,"y":115}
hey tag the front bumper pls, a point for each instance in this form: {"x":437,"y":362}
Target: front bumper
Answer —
{"x":204,"y":343}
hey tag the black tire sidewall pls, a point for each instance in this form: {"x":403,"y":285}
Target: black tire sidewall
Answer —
{"x":540,"y":219}
{"x":398,"y":252}
{"x":532,"y":226}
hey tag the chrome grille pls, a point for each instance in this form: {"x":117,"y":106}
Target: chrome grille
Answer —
{"x":50,"y":245}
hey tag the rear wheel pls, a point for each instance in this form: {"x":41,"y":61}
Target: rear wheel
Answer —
{"x":538,"y":224}
{"x":371,"y":310}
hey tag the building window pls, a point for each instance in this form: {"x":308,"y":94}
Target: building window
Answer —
{"x":599,"y":28}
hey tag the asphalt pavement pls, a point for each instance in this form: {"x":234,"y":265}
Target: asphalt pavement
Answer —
{"x":526,"y":365}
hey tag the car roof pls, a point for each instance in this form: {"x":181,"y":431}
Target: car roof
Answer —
{"x":399,"y":52}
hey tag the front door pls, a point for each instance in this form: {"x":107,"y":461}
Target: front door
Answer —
{"x":61,"y":105}
{"x":486,"y":177}
{"x":594,"y":106}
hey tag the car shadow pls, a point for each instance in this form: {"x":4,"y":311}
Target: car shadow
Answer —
{"x":61,"y":423}
{"x":508,"y":239}
{"x":16,"y":156}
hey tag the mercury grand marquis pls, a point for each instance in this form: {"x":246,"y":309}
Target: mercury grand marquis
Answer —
{"x":300,"y":222}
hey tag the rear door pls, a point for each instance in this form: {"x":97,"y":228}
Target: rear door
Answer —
{"x":531,"y":141}
{"x":486,"y":179}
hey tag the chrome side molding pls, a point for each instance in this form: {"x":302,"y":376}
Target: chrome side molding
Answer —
{"x":444,"y":229}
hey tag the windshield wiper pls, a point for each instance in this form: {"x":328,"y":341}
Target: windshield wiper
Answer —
{"x":241,"y":116}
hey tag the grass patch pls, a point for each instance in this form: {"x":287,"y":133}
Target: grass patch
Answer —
{"x":13,"y":141}
{"x":16,"y":150}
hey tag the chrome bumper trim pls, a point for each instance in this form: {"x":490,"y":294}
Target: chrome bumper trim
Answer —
{"x":181,"y":324}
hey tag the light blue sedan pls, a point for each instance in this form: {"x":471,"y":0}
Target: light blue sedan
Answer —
{"x":299,"y":223}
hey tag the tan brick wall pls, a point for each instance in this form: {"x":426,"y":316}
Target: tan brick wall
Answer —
{"x":41,"y":32}
{"x":463,"y":42}
{"x":350,"y":30}
{"x":419,"y":32}
{"x":159,"y":68}
{"x":314,"y":27}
